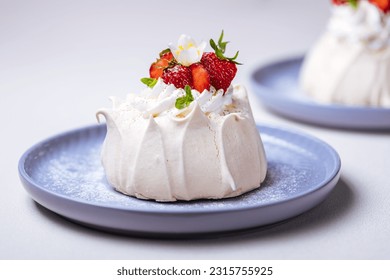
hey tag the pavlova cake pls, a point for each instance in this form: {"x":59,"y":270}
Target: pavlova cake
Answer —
{"x":350,"y":64}
{"x":189,"y":135}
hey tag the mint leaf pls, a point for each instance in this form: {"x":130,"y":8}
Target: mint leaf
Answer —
{"x":353,"y":3}
{"x":189,"y":96}
{"x":180,"y":103}
{"x":150,"y":82}
{"x":184,"y":101}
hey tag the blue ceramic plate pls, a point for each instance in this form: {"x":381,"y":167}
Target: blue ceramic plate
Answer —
{"x":64,"y":174}
{"x":276,"y":84}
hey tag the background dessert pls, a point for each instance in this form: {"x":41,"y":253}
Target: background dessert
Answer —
{"x":350,"y":64}
{"x":189,"y":135}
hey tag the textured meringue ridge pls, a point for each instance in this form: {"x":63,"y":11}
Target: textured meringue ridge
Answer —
{"x":335,"y":72}
{"x":197,"y":155}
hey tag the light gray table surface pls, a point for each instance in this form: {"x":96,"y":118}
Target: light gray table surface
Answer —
{"x":59,"y":62}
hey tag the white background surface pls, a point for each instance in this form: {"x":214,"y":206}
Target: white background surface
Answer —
{"x":60,"y":60}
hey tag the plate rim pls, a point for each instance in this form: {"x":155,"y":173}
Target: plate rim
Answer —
{"x":25,"y":178}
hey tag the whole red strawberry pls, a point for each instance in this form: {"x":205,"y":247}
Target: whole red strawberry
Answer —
{"x":221,"y":71}
{"x":384,"y":5}
{"x":178,"y":75}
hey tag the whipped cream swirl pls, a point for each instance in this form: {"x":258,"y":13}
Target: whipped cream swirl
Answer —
{"x":161,"y":99}
{"x":365,"y":24}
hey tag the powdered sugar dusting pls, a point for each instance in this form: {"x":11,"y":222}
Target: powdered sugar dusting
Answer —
{"x":70,"y":167}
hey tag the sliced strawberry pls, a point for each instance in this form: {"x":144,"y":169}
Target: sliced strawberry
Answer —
{"x":200,"y":77}
{"x":384,"y":5}
{"x":221,"y":71}
{"x":339,"y":2}
{"x":179,"y":76}
{"x":166,"y":55}
{"x":157,"y":68}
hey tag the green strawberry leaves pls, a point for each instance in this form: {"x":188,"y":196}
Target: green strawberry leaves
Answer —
{"x":221,"y":48}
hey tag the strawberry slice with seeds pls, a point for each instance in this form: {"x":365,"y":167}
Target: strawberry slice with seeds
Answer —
{"x":157,"y":68}
{"x":339,"y":2}
{"x":178,"y":75}
{"x":200,"y":77}
{"x":166,"y":54}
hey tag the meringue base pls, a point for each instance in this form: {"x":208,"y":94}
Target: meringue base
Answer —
{"x":336,"y":71}
{"x":196,"y":156}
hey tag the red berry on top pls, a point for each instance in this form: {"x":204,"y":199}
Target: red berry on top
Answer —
{"x":384,"y":5}
{"x":200,"y":77}
{"x":339,"y":2}
{"x":221,"y":71}
{"x":178,"y":75}
{"x":166,"y":55}
{"x":157,"y":68}
{"x":215,"y":69}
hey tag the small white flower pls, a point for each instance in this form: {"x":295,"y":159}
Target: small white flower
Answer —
{"x":187,"y":51}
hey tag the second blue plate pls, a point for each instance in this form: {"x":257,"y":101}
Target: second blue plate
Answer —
{"x":276,"y":84}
